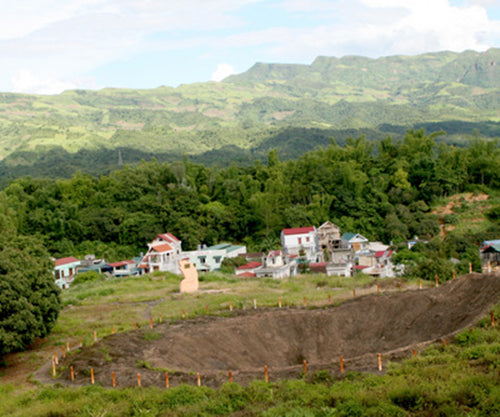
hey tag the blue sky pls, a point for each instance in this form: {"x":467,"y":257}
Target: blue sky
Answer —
{"x":48,"y":46}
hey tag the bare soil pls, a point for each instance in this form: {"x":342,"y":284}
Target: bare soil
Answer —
{"x":392,"y":324}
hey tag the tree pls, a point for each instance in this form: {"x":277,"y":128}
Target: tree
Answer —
{"x":29,"y":299}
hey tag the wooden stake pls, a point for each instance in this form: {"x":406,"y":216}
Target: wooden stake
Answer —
{"x":444,"y":342}
{"x":492,"y":315}
{"x":341,"y":364}
{"x":160,"y":318}
{"x":134,"y":325}
{"x":56,"y":358}
{"x":378,"y":287}
{"x":113,"y":379}
{"x":305,"y":302}
{"x":379,"y":362}
{"x":230,"y":306}
{"x":279,"y":302}
{"x":414,"y":353}
{"x":329,"y":298}
{"x":437,"y":280}
{"x":230,"y":374}
{"x":95,"y":336}
{"x":198,"y":379}
{"x":420,"y":285}
{"x":206,"y":308}
{"x":92,"y":379}
{"x":81,"y":342}
{"x":453,"y":274}
{"x":53,"y":367}
{"x":67,"y":347}
{"x":183,"y":314}
{"x":400,"y":285}
{"x":470,"y":267}
{"x":254,"y":303}
{"x":354,"y":292}
{"x":151,"y":322}
{"x":72,"y":373}
{"x":167,"y":382}
{"x":304,"y":365}
{"x":112,"y":329}
{"x":63,"y":352}
{"x":266,"y":374}
{"x":139,"y":380}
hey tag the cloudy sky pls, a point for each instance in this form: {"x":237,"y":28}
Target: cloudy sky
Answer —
{"x":47,"y":46}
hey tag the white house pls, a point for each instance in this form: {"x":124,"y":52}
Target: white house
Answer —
{"x":355,"y":241}
{"x":65,"y":271}
{"x":302,"y":241}
{"x":276,"y":264}
{"x":210,"y":258}
{"x":248,"y":270}
{"x":163,"y":254}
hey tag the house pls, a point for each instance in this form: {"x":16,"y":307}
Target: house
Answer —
{"x":210,"y":258}
{"x":65,"y":270}
{"x":277,"y":264}
{"x":377,"y":264}
{"x":301,"y":241}
{"x":490,"y":254}
{"x":341,"y":269}
{"x":163,"y":254}
{"x":248,"y":270}
{"x":318,"y":267}
{"x":329,"y":237}
{"x":125,"y":268}
{"x":354,"y":241}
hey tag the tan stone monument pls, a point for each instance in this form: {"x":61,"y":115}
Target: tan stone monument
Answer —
{"x":190,"y":282}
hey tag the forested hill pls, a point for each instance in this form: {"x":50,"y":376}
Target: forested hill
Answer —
{"x":293,"y":108}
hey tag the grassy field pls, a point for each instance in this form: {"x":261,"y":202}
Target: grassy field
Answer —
{"x":462,"y":378}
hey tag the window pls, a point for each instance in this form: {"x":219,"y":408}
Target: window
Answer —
{"x":300,"y":241}
{"x":217,"y":259}
{"x":203,"y":260}
{"x":307,"y":239}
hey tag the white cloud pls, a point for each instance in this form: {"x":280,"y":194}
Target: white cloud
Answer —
{"x":223,"y":70}
{"x":27,"y":82}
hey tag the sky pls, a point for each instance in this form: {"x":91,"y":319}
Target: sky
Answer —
{"x":48,"y":46}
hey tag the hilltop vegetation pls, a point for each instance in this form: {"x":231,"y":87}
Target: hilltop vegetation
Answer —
{"x":293,"y":108}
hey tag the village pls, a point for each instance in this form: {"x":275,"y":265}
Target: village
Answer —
{"x":304,"y":249}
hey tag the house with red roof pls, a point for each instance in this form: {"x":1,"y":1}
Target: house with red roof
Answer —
{"x":302,"y":241}
{"x":164,"y":254}
{"x":277,"y":264}
{"x":65,"y":270}
{"x":248,"y":270}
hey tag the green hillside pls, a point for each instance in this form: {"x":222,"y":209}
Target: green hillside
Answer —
{"x":290,"y":107}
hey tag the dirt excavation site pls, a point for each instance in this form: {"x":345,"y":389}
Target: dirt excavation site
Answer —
{"x":392,"y":324}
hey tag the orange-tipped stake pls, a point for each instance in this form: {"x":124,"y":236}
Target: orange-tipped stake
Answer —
{"x":56,"y":358}
{"x":378,"y":287}
{"x":341,"y":364}
{"x":167,"y":381}
{"x":160,"y":318}
{"x":444,"y":342}
{"x":67,"y":347}
{"x":206,"y":308}
{"x":379,"y":362}
{"x":81,"y":342}
{"x":151,"y":322}
{"x":63,"y":352}
{"x":92,"y":379}
{"x":492,"y":315}
{"x":254,"y":303}
{"x":354,"y":292}
{"x":183,"y":314}
{"x":139,"y":380}
{"x":470,"y":267}
{"x":95,"y":336}
{"x":304,"y":365}
{"x":420,"y":284}
{"x":414,"y":353}
{"x":112,"y":329}
{"x":266,"y":374}
{"x":329,"y":298}
{"x":453,"y":274}
{"x":53,"y":367}
{"x":72,"y":373}
{"x":113,"y":379}
{"x":305,"y":302}
{"x":230,"y":306}
{"x":230,"y":374}
{"x":279,"y":302}
{"x":198,"y":379}
{"x":134,"y":326}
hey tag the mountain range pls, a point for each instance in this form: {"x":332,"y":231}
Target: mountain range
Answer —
{"x":293,"y":108}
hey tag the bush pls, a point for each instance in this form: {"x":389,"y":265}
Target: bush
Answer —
{"x":89,"y":276}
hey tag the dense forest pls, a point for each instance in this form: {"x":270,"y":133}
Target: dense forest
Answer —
{"x":383,"y":190}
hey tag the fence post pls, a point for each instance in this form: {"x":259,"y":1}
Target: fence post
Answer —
{"x":151,"y":322}
{"x":72,"y":373}
{"x":437,"y":280}
{"x":378,"y":287}
{"x":95,"y":336}
{"x":354,"y":292}
{"x":53,"y":367}
{"x":266,"y":374}
{"x":92,"y":379}
{"x":63,"y":352}
{"x":279,"y":302}
{"x":139,"y":380}
{"x":183,"y":314}
{"x":254,"y":303}
{"x":198,"y":379}
{"x":304,"y":365}
{"x":230,"y":306}
{"x":341,"y":364}
{"x":113,"y":379}
{"x":492,"y":315}
{"x":420,"y":285}
{"x":329,"y":298}
{"x":379,"y":362}
{"x":305,"y":302}
{"x":167,"y":381}
{"x":230,"y":374}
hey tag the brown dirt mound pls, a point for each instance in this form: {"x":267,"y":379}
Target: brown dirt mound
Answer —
{"x":391,"y":324}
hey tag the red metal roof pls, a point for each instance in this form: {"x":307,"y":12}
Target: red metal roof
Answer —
{"x":250,"y":265}
{"x":298,"y":230}
{"x":169,"y":237}
{"x":381,"y":253}
{"x":162,"y":247}
{"x":64,"y":261}
{"x":121,"y":263}
{"x":318,"y":264}
{"x":360,"y":266}
{"x":247,"y":275}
